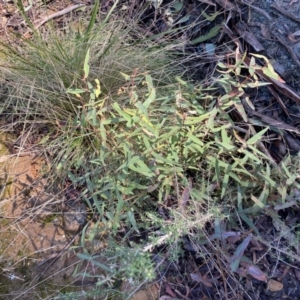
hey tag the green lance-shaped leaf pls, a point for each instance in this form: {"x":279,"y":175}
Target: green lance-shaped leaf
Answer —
{"x":75,"y":91}
{"x":132,"y":220}
{"x":86,"y":66}
{"x":93,"y":19}
{"x":137,"y":165}
{"x":212,"y":33}
{"x":94,"y":262}
{"x":236,"y":258}
{"x":152,"y":92}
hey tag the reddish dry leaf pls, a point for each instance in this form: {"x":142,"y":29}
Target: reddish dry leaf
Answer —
{"x":170,"y":291}
{"x":256,"y":273}
{"x":292,"y":36}
{"x":285,"y":272}
{"x":202,"y":279}
{"x":255,"y":242}
{"x":253,"y":249}
{"x":256,"y":246}
{"x":183,"y":296}
{"x":241,"y":272}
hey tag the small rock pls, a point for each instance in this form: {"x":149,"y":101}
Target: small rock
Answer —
{"x":74,"y":217}
{"x":274,"y":286}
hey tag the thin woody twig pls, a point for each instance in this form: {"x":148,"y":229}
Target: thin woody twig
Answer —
{"x":267,"y":120}
{"x":57,"y":256}
{"x":279,"y":86}
{"x":259,"y":10}
{"x":55,"y":15}
{"x":285,"y":12}
{"x":277,"y":97}
{"x":289,"y":49}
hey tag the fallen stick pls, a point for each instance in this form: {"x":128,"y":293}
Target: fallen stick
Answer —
{"x":267,"y":120}
{"x":285,"y":12}
{"x":289,"y":49}
{"x":55,"y":15}
{"x":277,"y":97}
{"x":279,"y":86}
{"x":5,"y":158}
{"x":245,"y":33}
{"x":259,"y":10}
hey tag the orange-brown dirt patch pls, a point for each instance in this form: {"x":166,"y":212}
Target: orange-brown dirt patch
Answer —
{"x":27,"y":211}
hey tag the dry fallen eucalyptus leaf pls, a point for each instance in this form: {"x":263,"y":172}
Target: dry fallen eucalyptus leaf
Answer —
{"x":292,"y":36}
{"x":170,"y":291}
{"x":256,"y":273}
{"x":203,"y":279}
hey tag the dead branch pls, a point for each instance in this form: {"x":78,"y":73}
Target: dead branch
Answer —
{"x":55,"y":15}
{"x":285,"y":12}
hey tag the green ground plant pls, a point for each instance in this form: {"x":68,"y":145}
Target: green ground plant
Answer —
{"x":182,"y":146}
{"x":38,"y":75}
{"x":133,"y":135}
